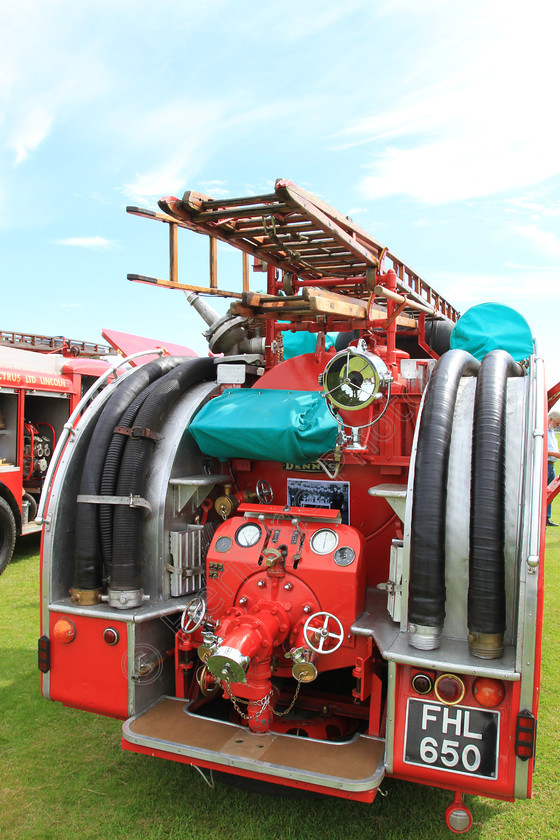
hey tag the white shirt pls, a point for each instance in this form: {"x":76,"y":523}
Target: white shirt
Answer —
{"x":552,"y":444}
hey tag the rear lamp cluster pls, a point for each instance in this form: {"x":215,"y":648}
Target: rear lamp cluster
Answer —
{"x":450,"y":689}
{"x":64,"y":632}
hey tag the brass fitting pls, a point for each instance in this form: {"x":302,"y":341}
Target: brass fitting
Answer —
{"x":486,"y":645}
{"x":228,"y":503}
{"x":85,"y":597}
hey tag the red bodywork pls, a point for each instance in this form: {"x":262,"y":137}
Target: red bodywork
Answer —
{"x":34,"y":421}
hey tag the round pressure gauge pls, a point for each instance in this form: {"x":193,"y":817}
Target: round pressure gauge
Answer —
{"x":344,"y":555}
{"x":248,"y":535}
{"x":324,"y":541}
{"x":223,"y":544}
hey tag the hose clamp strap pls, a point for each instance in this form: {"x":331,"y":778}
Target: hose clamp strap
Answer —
{"x":136,"y":432}
{"x":132,"y":500}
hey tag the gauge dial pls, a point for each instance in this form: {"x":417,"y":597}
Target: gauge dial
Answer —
{"x":324,"y":541}
{"x":223,"y":544}
{"x":248,"y":535}
{"x":344,"y":555}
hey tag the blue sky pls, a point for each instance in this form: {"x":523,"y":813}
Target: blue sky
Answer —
{"x":434,"y":124}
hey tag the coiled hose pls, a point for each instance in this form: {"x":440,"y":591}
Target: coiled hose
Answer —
{"x":110,"y":474}
{"x":426,"y":606}
{"x":88,"y":562}
{"x":487,"y":597}
{"x":126,"y":571}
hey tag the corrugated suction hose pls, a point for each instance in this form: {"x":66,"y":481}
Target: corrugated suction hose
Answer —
{"x":487,"y":598}
{"x":88,"y":571}
{"x":426,"y":606}
{"x":110,"y":475}
{"x":126,"y":569}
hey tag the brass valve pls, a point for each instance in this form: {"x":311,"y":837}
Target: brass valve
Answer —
{"x":304,"y":669}
{"x":228,"y":503}
{"x":273,"y":559}
{"x":272,"y":556}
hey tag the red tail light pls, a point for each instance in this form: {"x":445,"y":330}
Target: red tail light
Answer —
{"x":449,"y":689}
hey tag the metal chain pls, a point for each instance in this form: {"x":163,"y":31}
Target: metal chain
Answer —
{"x":264,"y":704}
{"x":292,"y":704}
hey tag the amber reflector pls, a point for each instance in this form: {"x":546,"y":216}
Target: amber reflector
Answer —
{"x":64,"y":631}
{"x":488,"y":692}
{"x":449,"y":689}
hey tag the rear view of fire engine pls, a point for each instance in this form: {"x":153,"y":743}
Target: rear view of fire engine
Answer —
{"x":313,"y":558}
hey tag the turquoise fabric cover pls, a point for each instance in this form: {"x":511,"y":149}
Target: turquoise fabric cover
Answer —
{"x":302,"y":341}
{"x":492,"y":326}
{"x":265,"y":425}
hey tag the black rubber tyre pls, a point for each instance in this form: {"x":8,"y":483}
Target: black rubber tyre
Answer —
{"x":7,"y":534}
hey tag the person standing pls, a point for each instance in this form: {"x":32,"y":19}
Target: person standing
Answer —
{"x":553,"y":454}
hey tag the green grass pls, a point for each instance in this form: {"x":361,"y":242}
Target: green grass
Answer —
{"x":63,"y":775}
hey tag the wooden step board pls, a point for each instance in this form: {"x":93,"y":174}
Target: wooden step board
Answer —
{"x":311,"y":304}
{"x":356,"y":765}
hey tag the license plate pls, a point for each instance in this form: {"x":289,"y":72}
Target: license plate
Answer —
{"x":456,"y":739}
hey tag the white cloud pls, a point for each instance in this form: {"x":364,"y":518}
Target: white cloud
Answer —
{"x":218,"y":192}
{"x":95,"y":242}
{"x":33,"y":128}
{"x":474,"y":112}
{"x":534,"y":206}
{"x":183,"y":134}
{"x":546,"y":242}
{"x":513,"y":288}
{"x":177,"y":136}
{"x":46,"y":70}
{"x":299,"y":21}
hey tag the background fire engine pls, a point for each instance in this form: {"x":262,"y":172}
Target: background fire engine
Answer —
{"x":307,"y":564}
{"x":42,"y":379}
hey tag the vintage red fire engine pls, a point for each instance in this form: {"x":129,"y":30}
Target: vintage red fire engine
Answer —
{"x":313,"y":558}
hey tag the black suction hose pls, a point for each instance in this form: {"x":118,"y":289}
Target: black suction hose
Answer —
{"x":126,"y":572}
{"x":438,"y":334}
{"x":426,"y":606}
{"x":88,"y":565}
{"x":110,"y":474}
{"x":487,"y":597}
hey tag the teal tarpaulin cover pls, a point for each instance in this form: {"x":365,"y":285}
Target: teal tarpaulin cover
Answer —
{"x":302,"y":341}
{"x":492,"y":326}
{"x":264,"y":425}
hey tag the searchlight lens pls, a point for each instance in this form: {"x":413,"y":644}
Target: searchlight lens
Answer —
{"x":353,"y":379}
